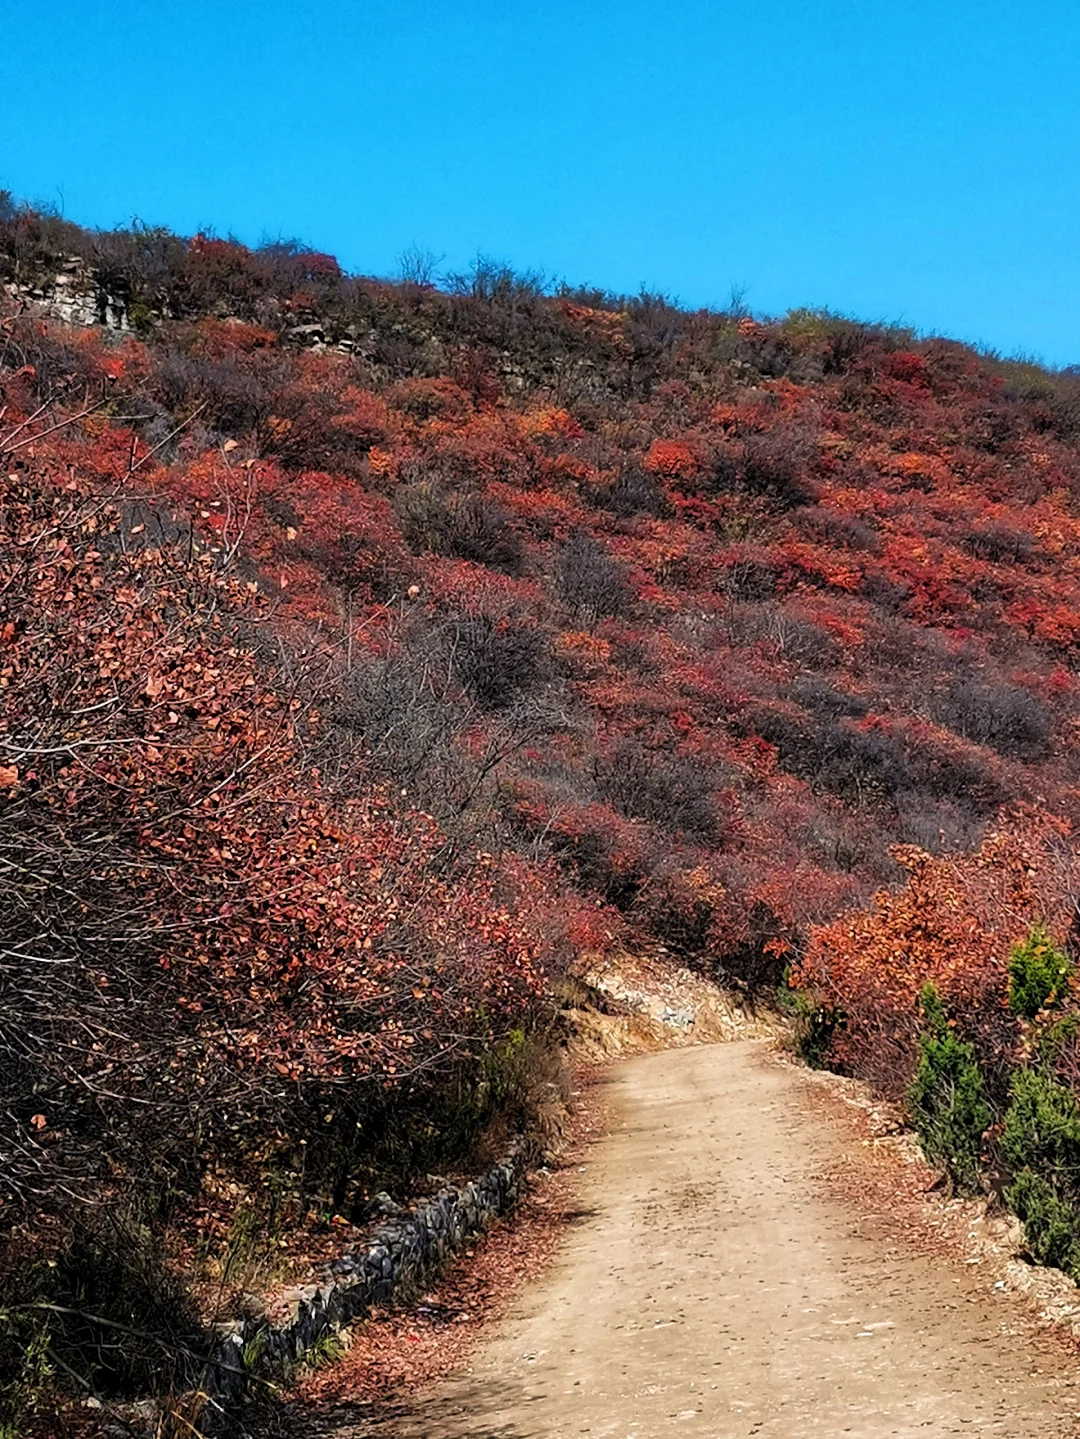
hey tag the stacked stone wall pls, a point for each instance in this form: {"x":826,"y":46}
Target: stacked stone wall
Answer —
{"x":400,"y":1258}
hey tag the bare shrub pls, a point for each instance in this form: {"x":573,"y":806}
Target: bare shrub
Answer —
{"x":938,"y":826}
{"x":436,"y":520}
{"x":832,"y":754}
{"x":635,"y":492}
{"x":418,"y":266}
{"x":480,"y":530}
{"x":851,"y":343}
{"x":750,"y":580}
{"x":672,"y":791}
{"x":406,"y":715}
{"x":815,"y":693}
{"x":957,"y":772}
{"x":655,"y":327}
{"x":886,"y":591}
{"x":777,"y":463}
{"x":589,"y":581}
{"x":401,"y":714}
{"x":496,"y":663}
{"x":834,"y":527}
{"x":497,"y":283}
{"x":1000,"y":544}
{"x":1009,"y":719}
{"x":234,"y":399}
{"x":424,"y":517}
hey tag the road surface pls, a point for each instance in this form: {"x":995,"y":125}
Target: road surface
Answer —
{"x":713,"y":1285}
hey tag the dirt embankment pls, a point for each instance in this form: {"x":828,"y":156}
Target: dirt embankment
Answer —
{"x":628,"y":1004}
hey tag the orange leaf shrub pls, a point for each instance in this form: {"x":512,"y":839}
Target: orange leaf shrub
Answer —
{"x":952,"y":925}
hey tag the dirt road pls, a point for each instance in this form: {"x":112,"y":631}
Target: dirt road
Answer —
{"x":714,"y":1285}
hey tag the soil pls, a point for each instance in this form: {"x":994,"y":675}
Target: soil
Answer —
{"x":741,"y":1257}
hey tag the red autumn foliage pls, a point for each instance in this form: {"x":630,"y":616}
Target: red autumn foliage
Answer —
{"x":876,"y":604}
{"x":180,"y":875}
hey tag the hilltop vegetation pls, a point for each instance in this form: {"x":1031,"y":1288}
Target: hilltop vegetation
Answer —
{"x":372,"y":650}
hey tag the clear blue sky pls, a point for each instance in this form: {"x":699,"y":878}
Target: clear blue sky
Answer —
{"x":892,"y":160}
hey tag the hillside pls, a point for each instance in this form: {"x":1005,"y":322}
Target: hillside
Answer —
{"x":373,"y":652}
{"x":711,"y":610}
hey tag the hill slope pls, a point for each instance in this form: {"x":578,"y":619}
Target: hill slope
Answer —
{"x":374,"y":651}
{"x":712,"y":611}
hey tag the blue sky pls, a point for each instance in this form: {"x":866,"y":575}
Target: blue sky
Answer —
{"x":899,"y":161}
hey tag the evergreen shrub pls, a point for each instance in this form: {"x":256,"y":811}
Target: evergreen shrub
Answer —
{"x":947,"y":1097}
{"x":1038,"y":974}
{"x":1040,"y":1141}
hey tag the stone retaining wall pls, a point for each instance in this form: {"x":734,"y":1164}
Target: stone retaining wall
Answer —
{"x":403,"y":1254}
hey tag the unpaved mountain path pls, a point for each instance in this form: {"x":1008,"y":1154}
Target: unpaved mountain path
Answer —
{"x":716,"y":1284}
